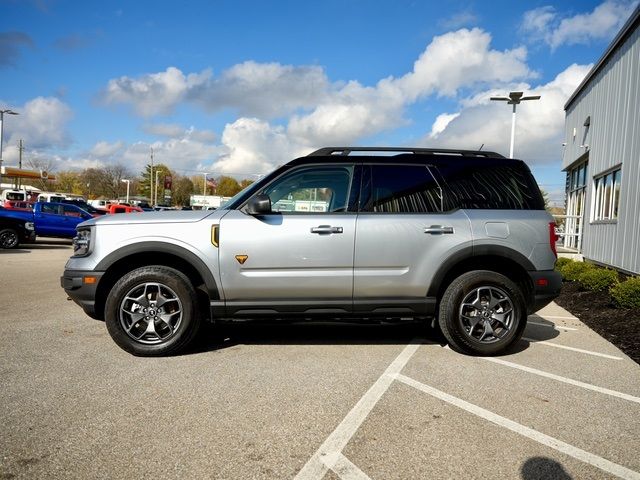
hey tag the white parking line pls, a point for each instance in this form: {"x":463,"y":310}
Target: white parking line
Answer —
{"x":588,"y":352}
{"x":570,"y":381}
{"x":316,"y":467}
{"x":343,"y":467}
{"x":557,"y":317}
{"x":550,"y":326}
{"x":554,"y":443}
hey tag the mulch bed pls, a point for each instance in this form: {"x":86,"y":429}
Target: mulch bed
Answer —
{"x":620,"y":326}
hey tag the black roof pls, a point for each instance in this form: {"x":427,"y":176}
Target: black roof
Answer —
{"x":415,"y":150}
{"x":424,"y":156}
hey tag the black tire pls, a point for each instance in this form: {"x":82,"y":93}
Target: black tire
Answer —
{"x":482,"y":313}
{"x":9,"y":238}
{"x":153,"y":311}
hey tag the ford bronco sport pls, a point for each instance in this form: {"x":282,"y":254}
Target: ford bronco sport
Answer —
{"x":459,"y":237}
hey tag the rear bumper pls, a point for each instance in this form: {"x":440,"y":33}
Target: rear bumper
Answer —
{"x":546,"y":287}
{"x":81,"y":291}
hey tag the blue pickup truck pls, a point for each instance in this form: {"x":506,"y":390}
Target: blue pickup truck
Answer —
{"x":50,"y":219}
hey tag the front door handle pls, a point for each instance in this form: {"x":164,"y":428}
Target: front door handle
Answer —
{"x":326,"y":229}
{"x":438,"y":230}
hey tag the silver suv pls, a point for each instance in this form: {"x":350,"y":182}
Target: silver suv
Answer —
{"x":458,"y":237}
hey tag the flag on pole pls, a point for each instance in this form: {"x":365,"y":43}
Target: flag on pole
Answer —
{"x":211,"y":183}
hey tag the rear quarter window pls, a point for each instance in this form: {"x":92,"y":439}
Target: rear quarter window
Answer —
{"x":490,"y":185}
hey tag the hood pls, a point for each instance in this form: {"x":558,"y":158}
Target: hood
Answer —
{"x":167,"y":216}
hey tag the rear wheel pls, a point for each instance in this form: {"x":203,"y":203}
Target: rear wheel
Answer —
{"x":9,"y":238}
{"x":152,"y":311}
{"x":482,"y":313}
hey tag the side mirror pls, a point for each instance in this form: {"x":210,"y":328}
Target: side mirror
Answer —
{"x":259,"y":205}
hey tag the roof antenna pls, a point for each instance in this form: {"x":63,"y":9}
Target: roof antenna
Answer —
{"x":480,"y":149}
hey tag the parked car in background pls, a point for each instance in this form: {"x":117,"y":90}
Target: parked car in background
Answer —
{"x":18,"y":205}
{"x":96,"y":212}
{"x":51,"y":219}
{"x":14,"y":231}
{"x":122,"y":208}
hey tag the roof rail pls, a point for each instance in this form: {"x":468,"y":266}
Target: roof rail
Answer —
{"x":327,"y":151}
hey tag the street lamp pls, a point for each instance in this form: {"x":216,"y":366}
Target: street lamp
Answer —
{"x":2,"y":112}
{"x":204,"y":185}
{"x":514,"y":99}
{"x":124,"y":180}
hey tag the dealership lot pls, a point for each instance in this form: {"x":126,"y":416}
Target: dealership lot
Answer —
{"x":316,"y":401}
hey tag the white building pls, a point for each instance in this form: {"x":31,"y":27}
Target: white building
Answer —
{"x":602,"y":156}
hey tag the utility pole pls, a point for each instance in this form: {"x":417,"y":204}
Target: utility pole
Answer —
{"x":156,"y":190}
{"x":151,"y":179}
{"x":20,"y":150}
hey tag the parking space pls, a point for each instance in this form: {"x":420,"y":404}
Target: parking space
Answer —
{"x":312,"y":401}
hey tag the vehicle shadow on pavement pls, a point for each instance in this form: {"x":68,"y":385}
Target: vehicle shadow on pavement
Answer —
{"x":228,"y":335}
{"x":260,"y":333}
{"x":542,"y":468}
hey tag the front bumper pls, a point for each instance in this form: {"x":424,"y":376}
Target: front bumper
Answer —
{"x":81,"y":286}
{"x":546,"y":287}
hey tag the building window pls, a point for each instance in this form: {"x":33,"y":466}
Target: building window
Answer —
{"x":576,"y":192}
{"x":606,"y":196}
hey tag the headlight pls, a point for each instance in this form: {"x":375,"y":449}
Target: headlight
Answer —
{"x":82,"y":242}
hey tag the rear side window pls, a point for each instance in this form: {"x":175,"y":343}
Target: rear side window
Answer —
{"x":400,"y":189}
{"x":489,"y":185}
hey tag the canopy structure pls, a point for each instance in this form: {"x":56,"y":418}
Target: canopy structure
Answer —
{"x":15,"y":173}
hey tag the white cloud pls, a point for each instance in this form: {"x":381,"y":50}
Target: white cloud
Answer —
{"x":154,"y":93}
{"x":106,"y":149}
{"x":441,"y":123}
{"x":451,"y":62}
{"x":462,"y":59}
{"x":263,"y":89}
{"x":253,"y":146}
{"x":545,"y":24}
{"x":539,"y":128}
{"x":173,"y":130}
{"x":41,"y":124}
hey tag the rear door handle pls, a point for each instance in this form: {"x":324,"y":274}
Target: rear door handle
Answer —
{"x":326,"y":229}
{"x":438,"y":230}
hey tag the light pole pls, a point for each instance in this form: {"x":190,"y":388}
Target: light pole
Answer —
{"x":514,"y":99}
{"x":2,"y":112}
{"x":124,"y":180}
{"x":204,"y":185}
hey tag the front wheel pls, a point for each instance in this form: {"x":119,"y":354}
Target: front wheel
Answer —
{"x":9,"y":238}
{"x":152,"y":311}
{"x":482,"y":313}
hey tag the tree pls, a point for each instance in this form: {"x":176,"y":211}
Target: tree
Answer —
{"x":227,"y":186}
{"x":144,"y":186}
{"x":182,"y":191}
{"x":245,"y":183}
{"x":69,"y":182}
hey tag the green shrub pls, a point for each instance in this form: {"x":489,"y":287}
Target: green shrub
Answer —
{"x":598,"y":279}
{"x":563,"y":262}
{"x":627,"y":294}
{"x":572,"y":271}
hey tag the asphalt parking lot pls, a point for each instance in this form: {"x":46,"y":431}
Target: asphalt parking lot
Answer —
{"x":302,"y":401}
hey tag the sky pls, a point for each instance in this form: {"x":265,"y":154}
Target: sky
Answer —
{"x":240,"y":87}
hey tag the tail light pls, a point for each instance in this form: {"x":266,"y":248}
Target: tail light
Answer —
{"x":553,"y":238}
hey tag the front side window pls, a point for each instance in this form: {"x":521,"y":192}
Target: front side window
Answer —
{"x":606,"y":196}
{"x":400,"y":189}
{"x":313,"y":189}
